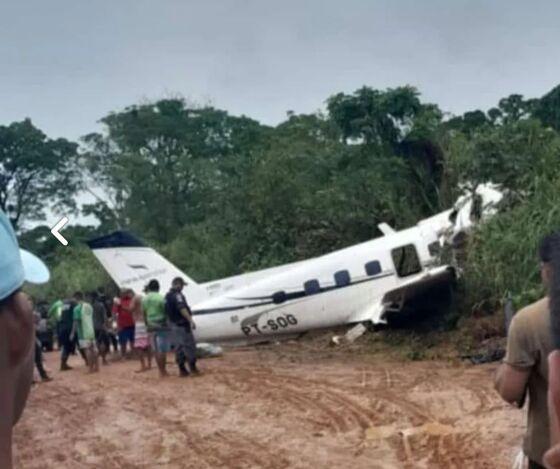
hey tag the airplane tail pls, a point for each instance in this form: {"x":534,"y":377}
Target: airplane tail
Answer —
{"x":131,"y":264}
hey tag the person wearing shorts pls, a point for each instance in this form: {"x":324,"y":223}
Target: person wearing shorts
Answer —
{"x":122,"y":310}
{"x":141,"y":340}
{"x":84,"y":330}
{"x":153,"y":305}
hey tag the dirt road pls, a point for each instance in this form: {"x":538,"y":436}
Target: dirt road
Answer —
{"x":274,"y":407}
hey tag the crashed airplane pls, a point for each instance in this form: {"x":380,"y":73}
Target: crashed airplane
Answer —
{"x":360,"y":285}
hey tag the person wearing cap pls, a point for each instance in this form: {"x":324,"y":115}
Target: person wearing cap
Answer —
{"x":17,"y":335}
{"x":182,"y":325}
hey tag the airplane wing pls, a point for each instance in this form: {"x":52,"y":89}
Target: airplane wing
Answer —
{"x":435,"y":276}
{"x":394,"y":299}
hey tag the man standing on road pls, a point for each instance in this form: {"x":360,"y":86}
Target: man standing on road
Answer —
{"x":100,"y":326}
{"x":525,"y":366}
{"x":156,"y":321}
{"x":83,"y":327}
{"x":39,"y":347}
{"x":16,"y":333}
{"x":64,"y":330}
{"x":55,"y":311}
{"x":182,"y":325}
{"x":111,"y":323}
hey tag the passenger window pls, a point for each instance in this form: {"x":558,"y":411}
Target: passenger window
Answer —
{"x":279,"y":297}
{"x":406,"y":260}
{"x":311,"y":287}
{"x":342,"y":278}
{"x":373,"y":268}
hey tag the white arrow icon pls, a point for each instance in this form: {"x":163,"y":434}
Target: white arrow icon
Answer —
{"x":56,"y":228}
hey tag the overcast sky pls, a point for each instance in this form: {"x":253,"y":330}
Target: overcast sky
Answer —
{"x":66,"y":64}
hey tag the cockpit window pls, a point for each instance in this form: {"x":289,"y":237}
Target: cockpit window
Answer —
{"x":406,"y":260}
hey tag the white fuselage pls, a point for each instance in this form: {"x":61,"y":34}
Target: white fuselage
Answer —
{"x":307,"y":295}
{"x":357,"y":284}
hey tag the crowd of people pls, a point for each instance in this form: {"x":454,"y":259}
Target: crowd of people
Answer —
{"x":135,"y":326}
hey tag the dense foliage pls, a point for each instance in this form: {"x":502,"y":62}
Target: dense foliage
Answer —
{"x":221,"y":194}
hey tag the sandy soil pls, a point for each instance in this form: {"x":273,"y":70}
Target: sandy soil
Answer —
{"x":275,"y":407}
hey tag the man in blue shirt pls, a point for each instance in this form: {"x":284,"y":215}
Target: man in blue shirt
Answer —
{"x":17,"y":334}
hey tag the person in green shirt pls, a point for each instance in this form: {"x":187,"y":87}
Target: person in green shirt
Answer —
{"x":83,"y":327}
{"x":153,"y":305}
{"x":55,"y":313}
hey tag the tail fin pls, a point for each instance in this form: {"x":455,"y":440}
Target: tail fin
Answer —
{"x":131,"y":264}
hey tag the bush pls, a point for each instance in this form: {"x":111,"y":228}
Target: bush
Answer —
{"x":502,"y":254}
{"x":76,"y":269}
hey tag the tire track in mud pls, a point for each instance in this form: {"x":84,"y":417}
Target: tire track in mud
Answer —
{"x":330,"y":398}
{"x":61,"y":402}
{"x":251,"y":410}
{"x":447,"y":450}
{"x":221,"y":448}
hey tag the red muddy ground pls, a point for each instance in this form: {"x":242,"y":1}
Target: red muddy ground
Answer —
{"x":274,"y":407}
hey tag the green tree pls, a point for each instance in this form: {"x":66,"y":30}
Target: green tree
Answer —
{"x":469,"y":122}
{"x":511,"y":109}
{"x":158,"y":163}
{"x":512,"y":155}
{"x":76,"y":269}
{"x":36,"y":172}
{"x":374,"y":116}
{"x":547,"y":109}
{"x":395,"y":123}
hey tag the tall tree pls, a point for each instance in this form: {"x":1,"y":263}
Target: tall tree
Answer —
{"x":547,"y":109}
{"x":511,"y":109}
{"x":36,"y":172}
{"x":163,"y":158}
{"x":374,"y":116}
{"x":390,"y":123}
